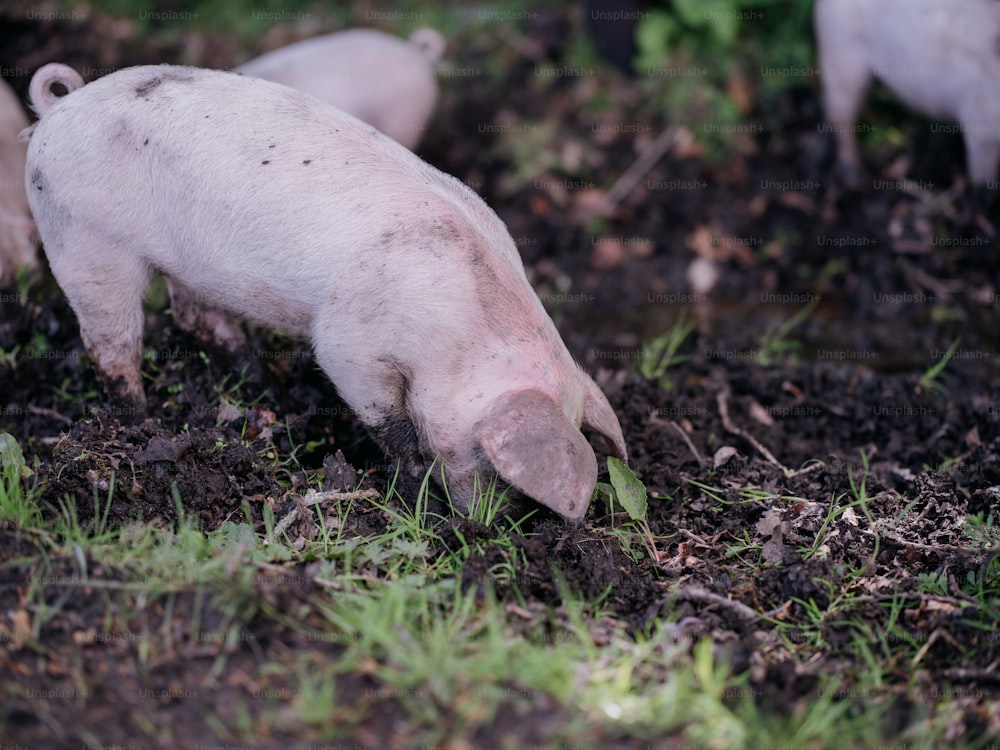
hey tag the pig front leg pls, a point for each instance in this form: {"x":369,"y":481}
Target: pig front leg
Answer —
{"x":375,"y":388}
{"x":982,"y":156}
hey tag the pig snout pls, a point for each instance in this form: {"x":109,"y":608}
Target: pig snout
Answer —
{"x":534,"y":447}
{"x":255,"y":199}
{"x":937,"y":56}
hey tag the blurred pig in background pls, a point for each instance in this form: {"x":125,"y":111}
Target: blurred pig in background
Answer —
{"x":17,"y":250}
{"x":941,"y":57}
{"x":386,"y":81}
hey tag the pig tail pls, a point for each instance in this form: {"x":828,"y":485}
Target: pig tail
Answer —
{"x":40,"y":90}
{"x":430,"y":43}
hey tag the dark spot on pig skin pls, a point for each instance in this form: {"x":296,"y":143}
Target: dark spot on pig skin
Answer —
{"x":446,"y":230}
{"x":307,"y":161}
{"x":37,"y":179}
{"x":143,"y":90}
{"x":266,"y":161}
{"x":145,"y":142}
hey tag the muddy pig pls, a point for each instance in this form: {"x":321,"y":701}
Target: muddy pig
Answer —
{"x":289,"y":212}
{"x":17,"y":250}
{"x":383,"y":80}
{"x":941,"y":57}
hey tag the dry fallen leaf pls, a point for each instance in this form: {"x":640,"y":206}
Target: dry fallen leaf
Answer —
{"x":770,"y":521}
{"x":773,"y":550}
{"x":702,"y":275}
{"x":610,"y":252}
{"x":759,"y":414}
{"x":740,"y":91}
{"x":591,"y":203}
{"x":722,"y":455}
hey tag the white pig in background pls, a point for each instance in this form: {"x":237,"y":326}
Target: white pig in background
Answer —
{"x":941,"y":57}
{"x":294,"y":214}
{"x":17,"y":250}
{"x":378,"y":78}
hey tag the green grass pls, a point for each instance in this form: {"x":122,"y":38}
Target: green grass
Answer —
{"x":776,"y":342}
{"x":445,"y":657}
{"x":18,"y":506}
{"x":930,"y":379}
{"x":662,"y":353}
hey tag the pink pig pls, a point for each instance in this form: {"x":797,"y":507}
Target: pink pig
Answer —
{"x":287,"y":211}
{"x":17,"y":250}
{"x":941,"y":57}
{"x":378,"y":78}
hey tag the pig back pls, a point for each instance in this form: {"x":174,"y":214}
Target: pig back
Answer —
{"x":274,"y":197}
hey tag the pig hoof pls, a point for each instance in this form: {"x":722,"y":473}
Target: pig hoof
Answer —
{"x":123,"y":404}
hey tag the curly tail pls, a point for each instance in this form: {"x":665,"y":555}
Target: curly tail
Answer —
{"x":40,"y":91}
{"x":430,"y":43}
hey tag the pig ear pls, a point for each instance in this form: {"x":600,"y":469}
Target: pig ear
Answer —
{"x":597,"y":413}
{"x":534,"y":447}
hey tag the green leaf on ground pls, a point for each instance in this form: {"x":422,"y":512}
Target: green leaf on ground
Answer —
{"x":630,"y":491}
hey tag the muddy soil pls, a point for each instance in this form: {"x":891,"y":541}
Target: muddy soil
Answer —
{"x":892,"y":276}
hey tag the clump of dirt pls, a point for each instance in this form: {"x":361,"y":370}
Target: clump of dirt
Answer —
{"x":210,"y":469}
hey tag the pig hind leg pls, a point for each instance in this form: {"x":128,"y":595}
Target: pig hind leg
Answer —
{"x":982,"y":156}
{"x":214,"y":328}
{"x":107,"y":299}
{"x":845,"y":82}
{"x":209,"y":324}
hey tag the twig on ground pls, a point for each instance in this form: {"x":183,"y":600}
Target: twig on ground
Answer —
{"x":806,"y":470}
{"x":959,"y":674}
{"x":931,"y":640}
{"x":690,"y":445}
{"x":704,"y":596}
{"x":646,"y":161}
{"x":943,"y":289}
{"x":52,"y":413}
{"x":939,"y":547}
{"x":722,"y":399}
{"x":312,"y":497}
